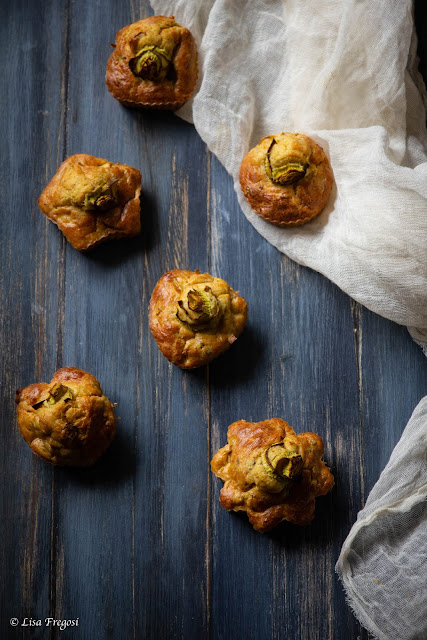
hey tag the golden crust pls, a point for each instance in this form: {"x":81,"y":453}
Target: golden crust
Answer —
{"x":248,"y":487}
{"x":67,"y":201}
{"x":171,"y":89}
{"x":76,"y":428}
{"x":193,"y":345}
{"x":286,"y":204}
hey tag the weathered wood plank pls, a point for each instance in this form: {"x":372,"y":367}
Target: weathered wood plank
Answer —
{"x":393,"y":381}
{"x":32,"y":133}
{"x":298,"y":363}
{"x":95,"y":514}
{"x":111,"y":312}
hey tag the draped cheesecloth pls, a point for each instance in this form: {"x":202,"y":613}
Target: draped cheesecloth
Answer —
{"x":343,"y":72}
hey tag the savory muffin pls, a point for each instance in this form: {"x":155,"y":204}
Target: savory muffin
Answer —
{"x":195,"y":317}
{"x":68,"y":421}
{"x":92,"y":200}
{"x":271,"y":473}
{"x":286,"y":178}
{"x":154,"y":64}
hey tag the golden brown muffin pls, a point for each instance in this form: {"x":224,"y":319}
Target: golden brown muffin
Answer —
{"x":271,"y":473}
{"x":195,"y":317}
{"x":68,"y":421}
{"x":286,"y":179}
{"x":154,"y":64}
{"x":93,"y":200}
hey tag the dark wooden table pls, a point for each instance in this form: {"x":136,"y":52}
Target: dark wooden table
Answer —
{"x":138,"y":546}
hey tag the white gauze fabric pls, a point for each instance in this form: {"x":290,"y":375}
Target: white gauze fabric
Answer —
{"x":383,"y":562}
{"x":342,"y":72}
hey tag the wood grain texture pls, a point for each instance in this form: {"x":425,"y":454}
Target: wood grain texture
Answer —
{"x":138,"y":546}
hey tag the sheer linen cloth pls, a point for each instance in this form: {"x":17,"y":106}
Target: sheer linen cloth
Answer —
{"x":343,"y":72}
{"x":383,"y":562}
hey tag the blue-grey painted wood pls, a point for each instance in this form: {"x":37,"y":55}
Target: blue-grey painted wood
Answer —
{"x":32,"y":144}
{"x":138,"y":546}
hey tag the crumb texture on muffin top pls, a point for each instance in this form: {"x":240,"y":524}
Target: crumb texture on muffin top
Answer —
{"x":93,"y":200}
{"x":68,"y":421}
{"x":286,"y":178}
{"x":194,"y":317}
{"x":271,"y":473}
{"x":153,"y":65}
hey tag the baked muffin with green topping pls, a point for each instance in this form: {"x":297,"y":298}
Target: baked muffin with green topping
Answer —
{"x":194,"y":317}
{"x":286,"y":178}
{"x":68,"y":422}
{"x":93,"y":200}
{"x":153,"y":65}
{"x":271,"y":473}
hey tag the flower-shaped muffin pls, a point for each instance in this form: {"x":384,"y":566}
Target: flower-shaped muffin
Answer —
{"x":93,"y":200}
{"x":286,"y":178}
{"x":68,"y":421}
{"x":271,"y":473}
{"x":195,"y":317}
{"x":154,"y":64}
